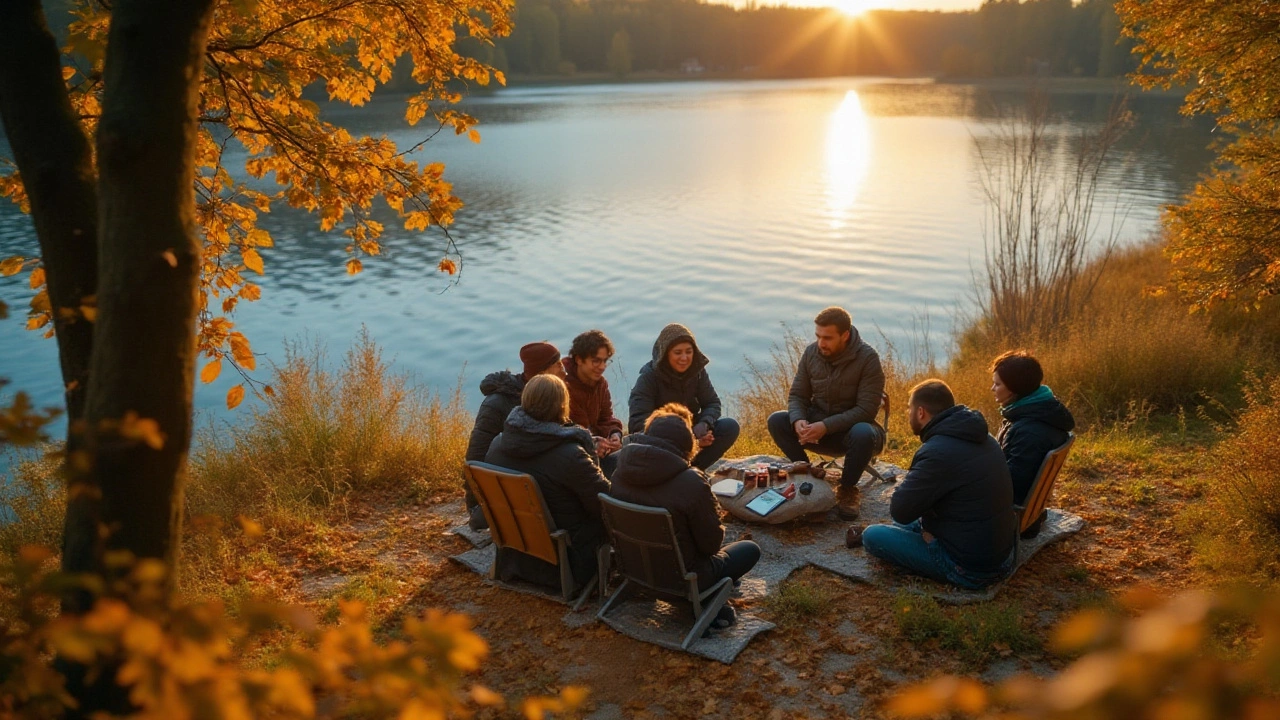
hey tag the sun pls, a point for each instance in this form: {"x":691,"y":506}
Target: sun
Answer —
{"x":854,"y":8}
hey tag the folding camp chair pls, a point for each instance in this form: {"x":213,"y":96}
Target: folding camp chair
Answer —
{"x":1042,"y":486}
{"x":832,"y":462}
{"x":647,"y":554}
{"x":519,"y":521}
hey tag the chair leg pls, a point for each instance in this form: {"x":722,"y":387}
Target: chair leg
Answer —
{"x":566,"y":574}
{"x":604,"y":558}
{"x":609,"y":603}
{"x":587,"y":587}
{"x":709,"y":612}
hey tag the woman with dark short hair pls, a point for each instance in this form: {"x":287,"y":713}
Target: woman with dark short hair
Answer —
{"x":539,"y":440}
{"x":1035,"y":421}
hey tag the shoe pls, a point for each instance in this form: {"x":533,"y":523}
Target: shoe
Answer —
{"x":1034,"y":530}
{"x":725,"y":618}
{"x":853,"y":537}
{"x":848,"y":502}
{"x":476,"y":520}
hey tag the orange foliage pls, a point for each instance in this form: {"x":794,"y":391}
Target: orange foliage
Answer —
{"x":261,"y":56}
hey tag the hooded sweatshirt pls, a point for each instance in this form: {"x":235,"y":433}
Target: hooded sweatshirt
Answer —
{"x":562,"y":460}
{"x":501,"y":394}
{"x":840,"y":391}
{"x":959,"y":488}
{"x":1032,"y":427}
{"x":659,"y":383}
{"x":652,"y":472}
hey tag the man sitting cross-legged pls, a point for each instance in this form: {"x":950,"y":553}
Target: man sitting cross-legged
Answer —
{"x":953,"y":514}
{"x":833,"y":402}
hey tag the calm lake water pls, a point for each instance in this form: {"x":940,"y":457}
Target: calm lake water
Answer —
{"x":733,"y":207}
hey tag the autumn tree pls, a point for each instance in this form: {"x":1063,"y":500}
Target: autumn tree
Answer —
{"x":1225,"y":238}
{"x":148,"y":241}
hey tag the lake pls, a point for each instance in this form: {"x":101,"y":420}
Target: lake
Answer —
{"x":736,"y":208}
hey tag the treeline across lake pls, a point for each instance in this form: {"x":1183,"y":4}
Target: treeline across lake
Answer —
{"x":1002,"y":38}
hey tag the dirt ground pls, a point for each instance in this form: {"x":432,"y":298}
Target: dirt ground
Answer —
{"x":838,"y":658}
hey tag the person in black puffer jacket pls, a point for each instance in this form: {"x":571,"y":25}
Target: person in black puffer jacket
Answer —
{"x":953,"y":512}
{"x":1035,"y":421}
{"x":654,"y":470}
{"x":678,"y":374}
{"x":539,"y":440}
{"x":501,"y":395}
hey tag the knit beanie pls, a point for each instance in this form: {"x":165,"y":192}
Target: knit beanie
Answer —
{"x":537,"y":357}
{"x":672,"y":429}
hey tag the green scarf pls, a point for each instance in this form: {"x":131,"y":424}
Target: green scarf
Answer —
{"x":1041,"y":394}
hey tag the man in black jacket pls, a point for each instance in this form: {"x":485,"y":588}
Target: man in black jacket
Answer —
{"x":501,"y":395}
{"x":953,"y":514}
{"x":833,"y":402}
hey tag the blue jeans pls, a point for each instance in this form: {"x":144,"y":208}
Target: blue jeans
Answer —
{"x":905,"y":545}
{"x":726,"y":432}
{"x":858,"y":446}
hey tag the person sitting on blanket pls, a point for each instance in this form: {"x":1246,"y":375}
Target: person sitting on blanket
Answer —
{"x":502,"y":394}
{"x":832,"y":404}
{"x":590,"y":404}
{"x":1035,"y":422}
{"x":654,"y":470}
{"x":539,"y":440}
{"x":678,"y":373}
{"x":953,"y":513}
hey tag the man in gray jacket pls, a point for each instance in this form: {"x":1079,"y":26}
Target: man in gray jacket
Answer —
{"x":832,"y":404}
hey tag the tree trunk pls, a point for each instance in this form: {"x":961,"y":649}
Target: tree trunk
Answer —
{"x":52,"y":155}
{"x":144,"y":342}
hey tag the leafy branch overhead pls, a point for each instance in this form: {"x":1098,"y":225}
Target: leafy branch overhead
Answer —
{"x":261,"y":58}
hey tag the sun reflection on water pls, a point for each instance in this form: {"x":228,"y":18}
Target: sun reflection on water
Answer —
{"x":848,"y":157}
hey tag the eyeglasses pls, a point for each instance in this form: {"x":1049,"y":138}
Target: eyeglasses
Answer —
{"x":599,"y":361}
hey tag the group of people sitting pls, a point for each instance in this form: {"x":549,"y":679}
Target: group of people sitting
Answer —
{"x":953,"y":512}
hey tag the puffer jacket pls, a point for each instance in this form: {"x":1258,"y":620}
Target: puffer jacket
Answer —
{"x":959,"y":488}
{"x":1032,"y":427}
{"x":659,"y":384}
{"x":501,"y":395}
{"x":562,"y":460}
{"x":841,"y":391}
{"x":651,"y":472}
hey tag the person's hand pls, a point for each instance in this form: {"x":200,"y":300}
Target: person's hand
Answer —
{"x":802,"y":429}
{"x":614,"y":443}
{"x":602,"y":445}
{"x":817,"y":431}
{"x":928,"y":537}
{"x":708,"y":438}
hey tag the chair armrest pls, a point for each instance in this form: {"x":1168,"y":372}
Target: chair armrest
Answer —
{"x":562,"y":535}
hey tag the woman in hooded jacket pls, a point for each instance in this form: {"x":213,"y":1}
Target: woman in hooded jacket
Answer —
{"x":654,"y":470}
{"x":1035,"y":421}
{"x":678,"y":374}
{"x":538,"y":439}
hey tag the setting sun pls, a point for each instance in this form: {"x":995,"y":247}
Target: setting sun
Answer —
{"x":857,"y":7}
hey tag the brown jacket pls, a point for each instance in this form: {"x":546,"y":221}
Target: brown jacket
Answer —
{"x":590,"y":406}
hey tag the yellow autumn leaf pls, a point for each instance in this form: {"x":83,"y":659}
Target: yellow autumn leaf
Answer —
{"x":259,"y":238}
{"x":447,"y":266}
{"x":474,"y":135}
{"x":11,"y":266}
{"x":211,"y":371}
{"x":270,"y":391}
{"x":37,"y":278}
{"x":354,"y":266}
{"x":251,"y":528}
{"x":252,"y":260}
{"x":241,"y":352}
{"x":40,"y":303}
{"x":89,"y":313}
{"x":142,"y":429}
{"x":484,"y":697}
{"x":234,"y":396}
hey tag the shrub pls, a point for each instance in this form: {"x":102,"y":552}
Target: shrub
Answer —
{"x":324,"y":434}
{"x":32,"y":501}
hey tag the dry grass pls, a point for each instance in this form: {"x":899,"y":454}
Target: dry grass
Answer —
{"x":325,"y":434}
{"x":1238,"y":528}
{"x":32,"y":501}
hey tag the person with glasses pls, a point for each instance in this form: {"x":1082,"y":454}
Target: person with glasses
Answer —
{"x":590,"y":404}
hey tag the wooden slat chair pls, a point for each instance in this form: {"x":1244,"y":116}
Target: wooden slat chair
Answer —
{"x":520,"y":521}
{"x":1042,"y":486}
{"x":647,"y":554}
{"x":871,"y":466}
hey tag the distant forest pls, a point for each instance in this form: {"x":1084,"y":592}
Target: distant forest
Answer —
{"x":1002,"y":38}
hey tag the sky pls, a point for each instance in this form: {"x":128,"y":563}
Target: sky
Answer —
{"x":855,"y":5}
